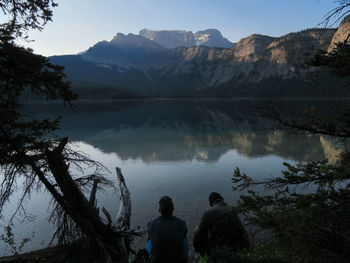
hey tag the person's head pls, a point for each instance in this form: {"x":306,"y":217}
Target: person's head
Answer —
{"x":213,"y":197}
{"x":166,"y":206}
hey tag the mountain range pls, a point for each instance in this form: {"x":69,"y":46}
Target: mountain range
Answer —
{"x":205,"y":64}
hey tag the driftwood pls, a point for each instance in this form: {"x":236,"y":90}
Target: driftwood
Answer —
{"x":124,"y":212}
{"x":81,"y":211}
{"x":109,"y":241}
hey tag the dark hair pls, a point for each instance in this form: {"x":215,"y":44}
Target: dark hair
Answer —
{"x":166,"y":206}
{"x":214,"y":196}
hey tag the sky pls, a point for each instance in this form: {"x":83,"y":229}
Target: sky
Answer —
{"x":79,"y":24}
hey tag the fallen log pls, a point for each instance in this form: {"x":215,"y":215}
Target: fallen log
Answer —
{"x":112,"y":239}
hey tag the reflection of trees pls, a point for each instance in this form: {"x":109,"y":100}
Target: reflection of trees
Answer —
{"x":187,"y":131}
{"x":180,"y":145}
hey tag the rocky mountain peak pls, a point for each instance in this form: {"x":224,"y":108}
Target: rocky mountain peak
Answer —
{"x":169,"y":38}
{"x":252,"y":46}
{"x":175,"y":38}
{"x":134,"y":41}
{"x":212,"y":38}
{"x":118,"y":36}
{"x":257,"y":64}
{"x":211,"y":31}
{"x":208,"y":33}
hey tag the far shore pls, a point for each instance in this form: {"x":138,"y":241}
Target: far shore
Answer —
{"x":199,"y":99}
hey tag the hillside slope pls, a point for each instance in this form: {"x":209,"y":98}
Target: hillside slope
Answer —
{"x":257,"y":66}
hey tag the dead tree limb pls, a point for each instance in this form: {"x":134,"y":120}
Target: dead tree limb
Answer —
{"x":110,"y":241}
{"x":124,"y":212}
{"x":92,"y":199}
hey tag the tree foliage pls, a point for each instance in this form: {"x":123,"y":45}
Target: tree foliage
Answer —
{"x":32,"y":156}
{"x":338,"y":60}
{"x":22,"y":15}
{"x":303,"y":216}
{"x":337,"y":14}
{"x":24,"y":138}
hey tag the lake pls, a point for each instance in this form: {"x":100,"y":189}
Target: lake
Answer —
{"x":181,"y":148}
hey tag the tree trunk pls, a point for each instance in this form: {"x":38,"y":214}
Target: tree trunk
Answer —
{"x":110,"y":240}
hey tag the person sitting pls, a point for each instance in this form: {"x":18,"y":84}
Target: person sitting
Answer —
{"x":167,"y":242}
{"x":219,"y":227}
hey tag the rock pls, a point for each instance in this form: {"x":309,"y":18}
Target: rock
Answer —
{"x":262,"y":62}
{"x":342,"y":34}
{"x":176,"y":38}
{"x":170,"y":38}
{"x":211,"y":38}
{"x":249,"y":48}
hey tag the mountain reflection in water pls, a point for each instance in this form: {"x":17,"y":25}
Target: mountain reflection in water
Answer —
{"x":175,"y":131}
{"x":181,"y":148}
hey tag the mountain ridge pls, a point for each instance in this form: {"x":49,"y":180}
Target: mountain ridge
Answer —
{"x":174,"y":38}
{"x":256,"y":66}
{"x":129,"y":51}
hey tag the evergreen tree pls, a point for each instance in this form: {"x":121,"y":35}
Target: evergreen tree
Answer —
{"x":305,"y":215}
{"x":31,"y":153}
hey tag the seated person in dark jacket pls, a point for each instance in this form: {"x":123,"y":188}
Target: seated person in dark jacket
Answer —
{"x":167,"y":235}
{"x":219,"y":227}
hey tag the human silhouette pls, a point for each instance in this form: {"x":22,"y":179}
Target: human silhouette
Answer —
{"x":167,"y":240}
{"x":220,"y":227}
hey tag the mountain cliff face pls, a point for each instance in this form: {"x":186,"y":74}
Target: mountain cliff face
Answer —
{"x":250,"y":48}
{"x":342,"y":34}
{"x":154,"y":49}
{"x":182,"y":38}
{"x":257,"y":66}
{"x":170,"y":38}
{"x":251,"y":60}
{"x":211,"y":38}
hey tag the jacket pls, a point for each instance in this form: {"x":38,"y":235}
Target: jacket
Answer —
{"x":167,"y":235}
{"x":220,"y":227}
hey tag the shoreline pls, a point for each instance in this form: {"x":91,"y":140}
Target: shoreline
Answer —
{"x":209,"y":99}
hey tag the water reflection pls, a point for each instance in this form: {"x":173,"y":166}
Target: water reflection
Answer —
{"x":184,"y":149}
{"x":184,"y":131}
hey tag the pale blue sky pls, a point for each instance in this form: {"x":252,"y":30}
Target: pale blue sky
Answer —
{"x":79,"y":24}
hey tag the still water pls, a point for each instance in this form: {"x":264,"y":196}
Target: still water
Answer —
{"x":181,"y":148}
